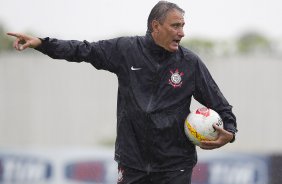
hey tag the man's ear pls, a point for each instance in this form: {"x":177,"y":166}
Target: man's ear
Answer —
{"x":155,"y":26}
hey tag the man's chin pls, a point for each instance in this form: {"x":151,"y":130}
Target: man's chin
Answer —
{"x":173,"y":49}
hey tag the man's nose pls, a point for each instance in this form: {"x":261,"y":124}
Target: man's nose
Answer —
{"x":181,"y":32}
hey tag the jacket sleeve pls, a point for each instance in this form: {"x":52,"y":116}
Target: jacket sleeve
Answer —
{"x":208,"y":94}
{"x":102,"y":54}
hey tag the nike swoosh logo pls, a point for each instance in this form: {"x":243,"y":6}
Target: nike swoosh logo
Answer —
{"x":132,"y":68}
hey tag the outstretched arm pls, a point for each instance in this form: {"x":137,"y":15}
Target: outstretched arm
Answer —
{"x":70,"y":50}
{"x":24,"y":41}
{"x":103,"y":54}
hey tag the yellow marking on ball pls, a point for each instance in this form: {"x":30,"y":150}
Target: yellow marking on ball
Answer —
{"x":194,"y":132}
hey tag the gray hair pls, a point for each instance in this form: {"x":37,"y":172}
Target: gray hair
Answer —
{"x":159,"y":13}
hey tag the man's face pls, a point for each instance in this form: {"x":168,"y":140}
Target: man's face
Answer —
{"x":169,"y":34}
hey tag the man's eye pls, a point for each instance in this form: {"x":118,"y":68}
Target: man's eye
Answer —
{"x":177,"y":26}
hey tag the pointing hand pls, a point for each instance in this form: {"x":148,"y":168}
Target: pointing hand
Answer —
{"x":24,"y":41}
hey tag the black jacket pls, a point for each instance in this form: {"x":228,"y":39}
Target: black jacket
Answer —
{"x":154,"y":96}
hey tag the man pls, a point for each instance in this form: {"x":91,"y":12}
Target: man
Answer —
{"x":157,"y":78}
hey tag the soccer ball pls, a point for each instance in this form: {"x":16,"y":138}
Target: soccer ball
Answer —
{"x":199,"y":125}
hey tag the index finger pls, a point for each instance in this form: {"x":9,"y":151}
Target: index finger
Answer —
{"x":14,"y":34}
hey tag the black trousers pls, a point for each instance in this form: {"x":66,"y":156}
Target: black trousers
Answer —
{"x":133,"y":176}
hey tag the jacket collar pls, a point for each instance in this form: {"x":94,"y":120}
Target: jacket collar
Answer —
{"x":155,"y":49}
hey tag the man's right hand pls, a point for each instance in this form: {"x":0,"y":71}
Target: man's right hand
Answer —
{"x":24,"y":41}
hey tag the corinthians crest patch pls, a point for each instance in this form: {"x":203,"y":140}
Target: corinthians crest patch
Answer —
{"x":176,"y":78}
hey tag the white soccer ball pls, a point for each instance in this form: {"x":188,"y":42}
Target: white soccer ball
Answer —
{"x":199,"y":125}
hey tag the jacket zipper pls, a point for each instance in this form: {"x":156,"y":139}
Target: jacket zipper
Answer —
{"x":148,"y":109}
{"x":150,"y":102}
{"x":148,"y":144}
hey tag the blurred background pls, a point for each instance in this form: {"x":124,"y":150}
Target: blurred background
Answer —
{"x":57,"y":119}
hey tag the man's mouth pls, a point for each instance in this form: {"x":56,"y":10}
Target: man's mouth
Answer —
{"x":176,"y":41}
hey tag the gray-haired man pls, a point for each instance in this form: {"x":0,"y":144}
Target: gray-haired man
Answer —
{"x":157,"y":79}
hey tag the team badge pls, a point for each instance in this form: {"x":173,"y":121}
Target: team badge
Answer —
{"x":176,"y":78}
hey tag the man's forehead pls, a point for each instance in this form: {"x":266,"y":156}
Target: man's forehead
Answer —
{"x":175,"y":15}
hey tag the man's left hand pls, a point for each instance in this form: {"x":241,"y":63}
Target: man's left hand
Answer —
{"x":224,"y":137}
